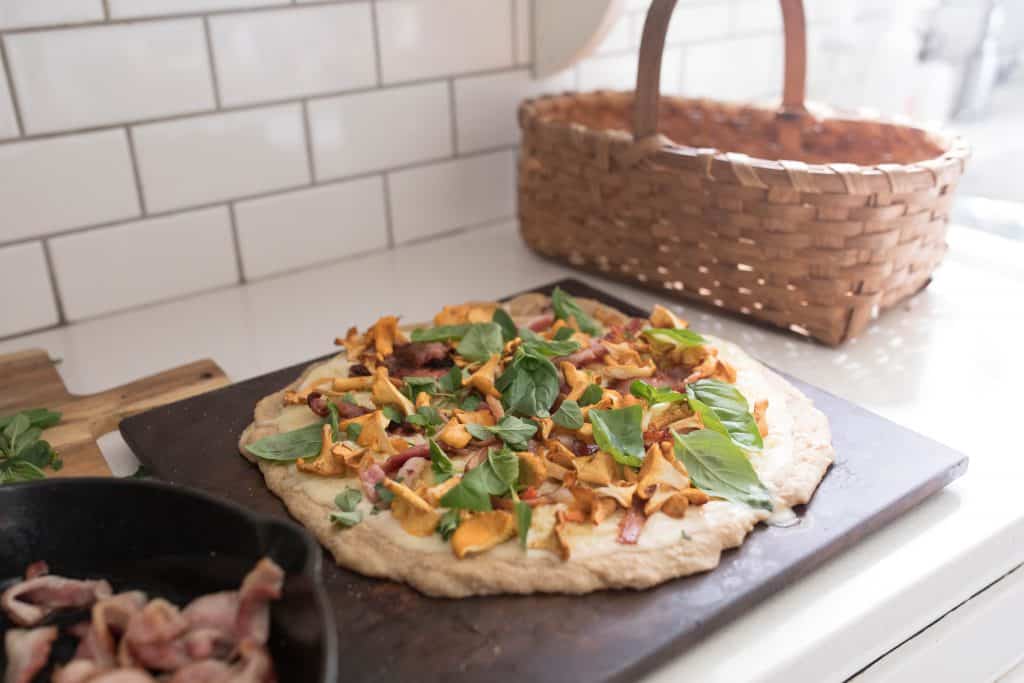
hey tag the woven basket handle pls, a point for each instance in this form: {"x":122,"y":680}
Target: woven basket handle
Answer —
{"x":648,"y":75}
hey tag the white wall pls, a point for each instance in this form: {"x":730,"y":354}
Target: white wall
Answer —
{"x":154,"y":148}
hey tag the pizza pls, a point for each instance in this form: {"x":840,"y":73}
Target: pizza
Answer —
{"x":544,"y":444}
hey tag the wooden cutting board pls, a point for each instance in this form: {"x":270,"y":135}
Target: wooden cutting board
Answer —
{"x":31,"y":380}
{"x":389,"y":632}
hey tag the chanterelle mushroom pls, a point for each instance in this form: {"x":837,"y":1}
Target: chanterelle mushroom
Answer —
{"x":483,"y":379}
{"x":385,"y":393}
{"x":578,"y":380}
{"x":662,"y":317}
{"x":532,"y":468}
{"x":469,"y":312}
{"x":482,"y":531}
{"x":373,"y":431}
{"x":454,"y":434}
{"x":415,"y":515}
{"x":600,"y":468}
{"x":325,"y":464}
{"x":384,"y":334}
{"x":658,"y":470}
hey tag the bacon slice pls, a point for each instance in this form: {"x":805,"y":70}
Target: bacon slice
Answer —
{"x":207,"y":671}
{"x":632,"y":523}
{"x":29,"y":602}
{"x":395,"y":462}
{"x":153,"y":638}
{"x":591,"y":354}
{"x":369,"y":478}
{"x":27,"y":652}
{"x":261,"y":585}
{"x":541,"y":322}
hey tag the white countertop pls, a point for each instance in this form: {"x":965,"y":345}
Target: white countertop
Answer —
{"x":948,"y":365}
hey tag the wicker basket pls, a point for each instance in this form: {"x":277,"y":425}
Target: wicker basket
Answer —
{"x":851,"y":221}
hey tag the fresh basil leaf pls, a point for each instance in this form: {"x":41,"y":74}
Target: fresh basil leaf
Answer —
{"x":353,"y":430}
{"x":451,"y":382}
{"x":731,"y":409}
{"x":529,"y":385}
{"x":524,"y":516}
{"x":481,"y":341}
{"x":720,"y":468}
{"x":471,"y":402}
{"x":564,"y":333}
{"x":348,"y":499}
{"x":37,"y":417}
{"x":664,"y":338}
{"x":473,"y":492}
{"x":448,"y":523}
{"x":18,"y":425}
{"x":568,"y":415}
{"x":414,"y":386}
{"x":566,"y":307}
{"x":288,"y":446}
{"x":25,"y":439}
{"x":620,"y":433}
{"x":505,"y":322}
{"x":384,"y":495}
{"x":393,"y":414}
{"x":505,"y":465}
{"x":442,"y":333}
{"x":591,"y":395}
{"x":427,"y":418}
{"x":550,"y":349}
{"x":333,"y":416}
{"x":654,"y":394}
{"x":39,"y":453}
{"x":440,"y":463}
{"x":347,"y":519}
{"x":514,"y":431}
{"x":16,"y":469}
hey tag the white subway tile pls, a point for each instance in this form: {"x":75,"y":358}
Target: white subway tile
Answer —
{"x":454,"y":194}
{"x":380,"y":129}
{"x":618,"y":72}
{"x":28,"y":297}
{"x":127,"y":265}
{"x":754,"y":16}
{"x":8,"y":123}
{"x":299,"y":51}
{"x":691,"y":23}
{"x":84,"y":77}
{"x":486,"y":105}
{"x":25,"y":13}
{"x":120,"y":9}
{"x":424,"y":38}
{"x":208,"y":158}
{"x":737,"y":69}
{"x":65,"y":182}
{"x":524,"y":31}
{"x":290,"y":231}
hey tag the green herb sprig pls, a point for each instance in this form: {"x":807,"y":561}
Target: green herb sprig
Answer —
{"x":23,"y":454}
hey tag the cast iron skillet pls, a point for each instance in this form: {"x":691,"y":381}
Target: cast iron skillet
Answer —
{"x":171,"y":542}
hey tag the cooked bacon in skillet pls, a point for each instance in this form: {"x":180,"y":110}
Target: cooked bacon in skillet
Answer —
{"x":28,"y":602}
{"x":27,"y":652}
{"x":217,"y":638}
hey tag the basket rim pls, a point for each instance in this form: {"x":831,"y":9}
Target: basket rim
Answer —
{"x":827,"y":178}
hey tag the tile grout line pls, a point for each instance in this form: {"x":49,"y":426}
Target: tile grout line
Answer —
{"x":307,"y":132}
{"x":453,"y":119}
{"x":62,"y":318}
{"x":375,"y":28}
{"x":513,"y":8}
{"x":106,"y":10}
{"x":236,"y":243}
{"x":136,"y":173}
{"x":263,"y":104}
{"x":389,"y":219}
{"x":12,"y":90}
{"x":212,"y":62}
{"x":261,"y":195}
{"x":133,"y":19}
{"x":494,"y":222}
